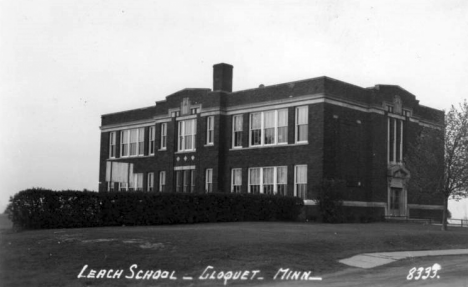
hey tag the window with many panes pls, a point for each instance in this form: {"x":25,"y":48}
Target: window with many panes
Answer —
{"x":209,"y":180}
{"x":150,"y":181}
{"x":187,"y":133}
{"x":112,"y":144}
{"x":302,"y":124}
{"x":123,"y":186}
{"x":300,"y":181}
{"x":209,"y":130}
{"x":132,"y":142}
{"x":136,"y":182}
{"x":162,"y":181}
{"x":237,"y":130}
{"x":395,"y":140}
{"x":236,"y":180}
{"x":163,"y":136}
{"x":151,"y":140}
{"x":282,"y":180}
{"x":268,"y":180}
{"x":269,"y":128}
{"x":110,"y":185}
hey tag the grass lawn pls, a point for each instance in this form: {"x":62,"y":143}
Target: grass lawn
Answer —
{"x":56,"y":257}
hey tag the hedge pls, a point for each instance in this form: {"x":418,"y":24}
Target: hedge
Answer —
{"x":40,"y":208}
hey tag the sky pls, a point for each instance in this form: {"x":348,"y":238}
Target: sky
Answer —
{"x":65,"y":63}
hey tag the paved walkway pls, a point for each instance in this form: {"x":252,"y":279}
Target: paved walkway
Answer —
{"x":371,"y":260}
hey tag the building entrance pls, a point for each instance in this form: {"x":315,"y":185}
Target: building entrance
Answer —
{"x":396,"y":202}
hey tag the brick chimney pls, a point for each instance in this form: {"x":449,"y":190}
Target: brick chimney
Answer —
{"x":222,"y":77}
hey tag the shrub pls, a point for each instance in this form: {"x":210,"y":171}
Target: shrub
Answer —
{"x":330,"y":200}
{"x":40,"y":208}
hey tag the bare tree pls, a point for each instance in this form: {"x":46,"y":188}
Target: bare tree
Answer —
{"x":441,"y":172}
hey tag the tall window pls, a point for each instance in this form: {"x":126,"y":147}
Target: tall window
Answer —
{"x":150,"y":181}
{"x":163,"y":135}
{"x":282,"y":126}
{"x":209,"y":180}
{"x":255,"y":129}
{"x":282,"y":179}
{"x":300,"y":181}
{"x":136,"y":182}
{"x":254,"y":180}
{"x":237,"y":130}
{"x":110,"y":185}
{"x":162,"y":181}
{"x":192,"y":180}
{"x":302,"y":123}
{"x":112,"y":144}
{"x":236,"y":179}
{"x":151,"y":140}
{"x":123,"y":186}
{"x":187,"y":181}
{"x":124,"y":142}
{"x":132,"y":142}
{"x":187,"y":132}
{"x":269,"y":128}
{"x":179,"y":178}
{"x":395,"y":140}
{"x":268,"y":180}
{"x":209,"y":130}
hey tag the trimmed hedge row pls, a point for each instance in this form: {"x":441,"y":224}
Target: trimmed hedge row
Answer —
{"x":40,"y":208}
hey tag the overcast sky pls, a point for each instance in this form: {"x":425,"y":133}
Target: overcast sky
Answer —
{"x":65,"y":63}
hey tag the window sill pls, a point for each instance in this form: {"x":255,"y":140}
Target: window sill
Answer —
{"x":162,"y":149}
{"x":269,"y":146}
{"x":184,"y":151}
{"x":130,"y":157}
{"x":210,"y":144}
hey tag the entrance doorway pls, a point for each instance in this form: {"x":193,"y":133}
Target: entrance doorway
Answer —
{"x":396,"y":202}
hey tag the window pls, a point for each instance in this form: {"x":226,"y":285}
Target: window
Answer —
{"x":302,"y":124}
{"x":132,"y":142}
{"x":151,"y":140}
{"x":209,"y":130}
{"x":110,"y":186}
{"x":124,"y":139}
{"x":192,"y":181}
{"x":269,"y":128}
{"x":209,"y":180}
{"x":112,"y":144}
{"x":282,"y":180}
{"x":300,"y":181}
{"x":254,"y":180}
{"x":395,"y":140}
{"x":179,"y":179}
{"x":163,"y":135}
{"x":123,"y":186}
{"x":162,"y":181}
{"x":187,"y":181}
{"x":187,"y":132}
{"x":255,"y":129}
{"x":268,"y":180}
{"x":150,"y":181}
{"x":282,"y":126}
{"x":237,"y":130}
{"x":136,"y":182}
{"x":236,"y":179}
